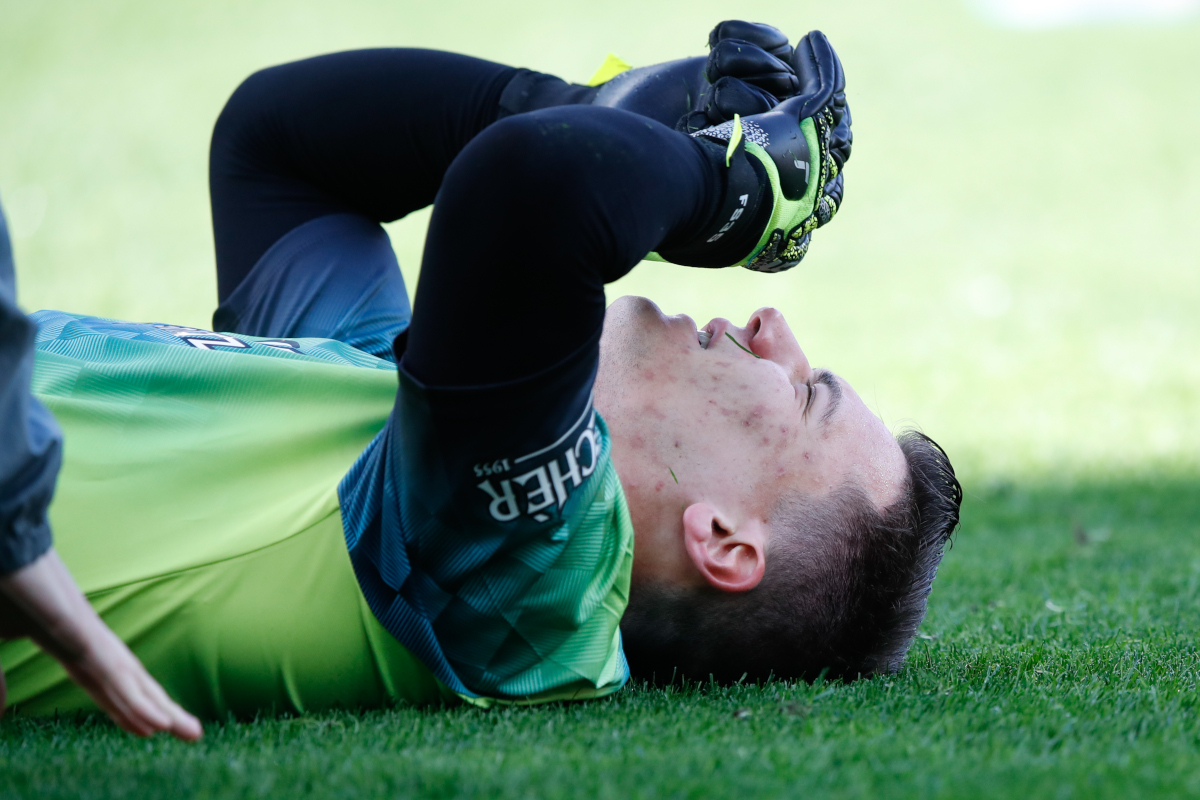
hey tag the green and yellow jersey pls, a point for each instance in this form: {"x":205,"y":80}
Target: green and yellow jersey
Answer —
{"x":271,"y":525}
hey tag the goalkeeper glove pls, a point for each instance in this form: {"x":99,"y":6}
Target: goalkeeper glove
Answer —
{"x":746,"y":72}
{"x":797,"y":149}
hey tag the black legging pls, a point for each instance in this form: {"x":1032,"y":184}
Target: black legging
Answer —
{"x":534,"y":211}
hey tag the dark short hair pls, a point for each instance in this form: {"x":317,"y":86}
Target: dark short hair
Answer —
{"x":842,"y":595}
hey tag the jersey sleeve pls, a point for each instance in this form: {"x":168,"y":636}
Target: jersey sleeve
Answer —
{"x":490,"y":535}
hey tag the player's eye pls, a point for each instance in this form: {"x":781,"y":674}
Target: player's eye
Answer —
{"x":811,"y":392}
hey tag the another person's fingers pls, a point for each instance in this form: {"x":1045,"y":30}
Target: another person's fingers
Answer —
{"x":113,"y":693}
{"x":142,"y":707}
{"x":145,"y":705}
{"x":739,"y":59}
{"x":114,"y":677}
{"x":768,"y":37}
{"x":43,"y":601}
{"x":116,"y":680}
{"x":118,"y":710}
{"x":182,"y":724}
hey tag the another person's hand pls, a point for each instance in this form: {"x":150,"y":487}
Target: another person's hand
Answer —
{"x":41,"y":601}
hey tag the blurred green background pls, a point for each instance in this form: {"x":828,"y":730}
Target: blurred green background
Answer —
{"x":1015,"y":267}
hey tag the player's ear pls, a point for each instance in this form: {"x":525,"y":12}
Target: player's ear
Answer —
{"x":730,"y":555}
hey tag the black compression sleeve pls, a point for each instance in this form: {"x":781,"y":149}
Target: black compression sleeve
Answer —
{"x":531,"y":91}
{"x":535,"y":215}
{"x":365,"y":131}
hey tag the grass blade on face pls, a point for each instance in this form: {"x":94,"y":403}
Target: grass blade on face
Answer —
{"x":739,"y":344}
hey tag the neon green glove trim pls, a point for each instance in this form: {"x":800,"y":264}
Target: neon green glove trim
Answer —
{"x":731,"y":148}
{"x":786,"y":214}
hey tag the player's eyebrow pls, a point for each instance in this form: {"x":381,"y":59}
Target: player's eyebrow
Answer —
{"x":835,"y":392}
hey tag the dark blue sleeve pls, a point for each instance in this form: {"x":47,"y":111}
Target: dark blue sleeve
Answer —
{"x":30,"y":440}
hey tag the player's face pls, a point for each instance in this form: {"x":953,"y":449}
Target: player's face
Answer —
{"x":743,"y":413}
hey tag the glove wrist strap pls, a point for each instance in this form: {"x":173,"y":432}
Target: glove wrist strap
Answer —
{"x":739,"y":222}
{"x":787,"y":234}
{"x":782,"y":226}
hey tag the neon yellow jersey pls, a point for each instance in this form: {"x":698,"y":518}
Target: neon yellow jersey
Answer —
{"x":198,"y":509}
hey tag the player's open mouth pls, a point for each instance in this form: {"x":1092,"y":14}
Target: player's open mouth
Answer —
{"x":704,"y":337}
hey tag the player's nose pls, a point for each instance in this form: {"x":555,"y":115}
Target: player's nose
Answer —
{"x":772,"y":338}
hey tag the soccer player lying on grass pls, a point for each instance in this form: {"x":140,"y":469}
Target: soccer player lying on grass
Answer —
{"x":270,"y":523}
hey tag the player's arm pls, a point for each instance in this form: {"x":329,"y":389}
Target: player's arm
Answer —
{"x":494,"y":445}
{"x":747,"y":70}
{"x":494,"y":430}
{"x":369,"y":132}
{"x":373,"y":132}
{"x":533,"y":219}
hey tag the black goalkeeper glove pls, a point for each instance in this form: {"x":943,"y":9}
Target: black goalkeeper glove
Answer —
{"x":781,"y":114}
{"x":798,"y":148}
{"x":746,"y":71}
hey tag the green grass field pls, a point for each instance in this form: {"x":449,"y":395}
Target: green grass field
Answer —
{"x":1015,"y":270}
